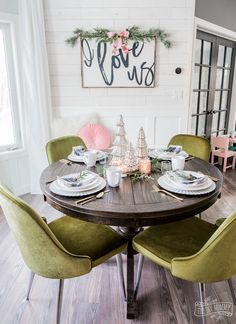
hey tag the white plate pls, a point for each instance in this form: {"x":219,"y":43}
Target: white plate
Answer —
{"x":86,"y":179}
{"x":166,"y":185}
{"x":161,"y":155}
{"x":62,"y":192}
{"x":195,"y":187}
{"x":79,"y":158}
{"x":58,"y":187}
{"x":190,"y":186}
{"x":88,"y":186}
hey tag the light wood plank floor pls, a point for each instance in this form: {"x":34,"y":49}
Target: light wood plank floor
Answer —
{"x":96,"y":298}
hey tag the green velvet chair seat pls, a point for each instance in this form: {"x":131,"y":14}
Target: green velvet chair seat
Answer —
{"x":193,"y":145}
{"x":165,"y":242}
{"x":192,"y":249}
{"x":99,"y":242}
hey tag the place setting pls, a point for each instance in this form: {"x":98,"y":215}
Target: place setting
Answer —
{"x":90,"y":157}
{"x":178,"y":180}
{"x":85,"y":183}
{"x":78,"y":184}
{"x":167,"y":153}
{"x":186,"y":182}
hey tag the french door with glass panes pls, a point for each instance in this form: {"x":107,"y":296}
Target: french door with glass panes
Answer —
{"x":213,"y":78}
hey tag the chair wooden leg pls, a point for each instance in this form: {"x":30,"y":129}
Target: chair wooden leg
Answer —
{"x":202,"y":294}
{"x":59,"y":304}
{"x":225,"y":165}
{"x":212,"y":158}
{"x":121,"y":274}
{"x":232,"y":290}
{"x":200,"y":215}
{"x":139,"y":272}
{"x":30,"y":284}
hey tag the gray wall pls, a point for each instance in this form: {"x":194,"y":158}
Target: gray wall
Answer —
{"x":9,"y":6}
{"x":219,"y":12}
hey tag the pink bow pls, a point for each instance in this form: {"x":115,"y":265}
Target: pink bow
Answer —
{"x":119,"y":36}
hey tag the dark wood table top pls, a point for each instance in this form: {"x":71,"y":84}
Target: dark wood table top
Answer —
{"x":132,"y":204}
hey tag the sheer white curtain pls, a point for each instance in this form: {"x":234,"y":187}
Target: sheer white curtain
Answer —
{"x":35,"y":86}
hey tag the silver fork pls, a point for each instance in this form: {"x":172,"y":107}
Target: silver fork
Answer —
{"x":156,"y":189}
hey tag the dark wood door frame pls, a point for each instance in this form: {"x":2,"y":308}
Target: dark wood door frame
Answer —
{"x":210,"y":110}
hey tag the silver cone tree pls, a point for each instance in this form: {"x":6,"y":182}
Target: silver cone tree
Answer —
{"x":130,"y":160}
{"x":119,"y":144}
{"x":141,"y":148}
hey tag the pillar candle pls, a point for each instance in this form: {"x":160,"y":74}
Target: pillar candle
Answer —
{"x":145,"y":166}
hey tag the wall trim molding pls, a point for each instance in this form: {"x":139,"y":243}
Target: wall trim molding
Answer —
{"x":209,"y":27}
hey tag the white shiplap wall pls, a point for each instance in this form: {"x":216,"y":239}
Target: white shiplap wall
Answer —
{"x":163,"y":111}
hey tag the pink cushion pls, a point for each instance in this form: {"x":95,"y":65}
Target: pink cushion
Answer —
{"x":95,"y":136}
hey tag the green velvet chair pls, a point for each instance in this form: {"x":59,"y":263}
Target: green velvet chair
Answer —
{"x":193,"y":145}
{"x":218,"y":223}
{"x":59,"y":148}
{"x":191,"y":249}
{"x":61,"y":249}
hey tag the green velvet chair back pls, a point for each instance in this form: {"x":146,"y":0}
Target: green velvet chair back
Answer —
{"x":215,"y":261}
{"x":193,"y":145}
{"x":40,"y":249}
{"x":61,"y":147}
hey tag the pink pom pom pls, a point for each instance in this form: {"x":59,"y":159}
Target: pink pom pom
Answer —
{"x":95,"y":136}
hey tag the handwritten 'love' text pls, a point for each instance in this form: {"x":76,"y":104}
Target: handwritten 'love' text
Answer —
{"x":136,"y":70}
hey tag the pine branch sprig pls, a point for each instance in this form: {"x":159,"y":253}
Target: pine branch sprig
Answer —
{"x":138,"y":176}
{"x":155,"y":165}
{"x":135,"y":34}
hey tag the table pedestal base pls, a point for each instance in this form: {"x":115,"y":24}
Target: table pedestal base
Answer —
{"x":131,"y":303}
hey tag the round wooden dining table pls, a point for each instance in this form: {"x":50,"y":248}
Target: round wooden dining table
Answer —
{"x":131,"y":206}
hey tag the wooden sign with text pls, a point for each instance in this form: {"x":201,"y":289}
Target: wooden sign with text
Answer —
{"x":101,"y":68}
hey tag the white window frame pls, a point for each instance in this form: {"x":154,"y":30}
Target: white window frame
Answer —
{"x":8,"y":25}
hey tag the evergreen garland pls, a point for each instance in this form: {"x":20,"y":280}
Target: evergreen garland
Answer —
{"x":138,"y":176}
{"x":135,"y":34}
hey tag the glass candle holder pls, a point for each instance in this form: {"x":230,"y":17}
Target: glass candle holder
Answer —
{"x":123,"y":168}
{"x":165,"y":166}
{"x":145,"y":166}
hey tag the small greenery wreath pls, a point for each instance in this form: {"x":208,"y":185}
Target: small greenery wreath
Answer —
{"x":134,"y":33}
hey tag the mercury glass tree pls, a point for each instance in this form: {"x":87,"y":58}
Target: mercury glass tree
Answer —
{"x":130,"y":160}
{"x":119,"y":144}
{"x":141,"y":148}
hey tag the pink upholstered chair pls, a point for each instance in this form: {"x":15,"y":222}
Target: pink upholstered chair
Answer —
{"x":95,"y":136}
{"x":220,"y":146}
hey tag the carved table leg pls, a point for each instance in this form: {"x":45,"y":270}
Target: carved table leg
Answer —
{"x":131,"y":300}
{"x":129,"y":233}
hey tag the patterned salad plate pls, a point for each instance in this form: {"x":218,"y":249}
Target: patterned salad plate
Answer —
{"x":201,"y":186}
{"x":79,"y":158}
{"x":88,"y":185}
{"x":163,"y":154}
